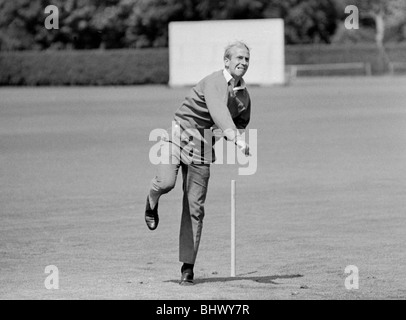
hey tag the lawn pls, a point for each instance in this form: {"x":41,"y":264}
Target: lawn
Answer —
{"x":329,"y":192}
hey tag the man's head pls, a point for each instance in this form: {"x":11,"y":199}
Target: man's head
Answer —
{"x":236,"y":59}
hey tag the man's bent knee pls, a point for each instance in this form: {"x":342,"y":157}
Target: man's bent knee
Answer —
{"x":162,"y":186}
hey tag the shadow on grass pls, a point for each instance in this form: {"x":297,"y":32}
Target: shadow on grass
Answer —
{"x":259,"y":279}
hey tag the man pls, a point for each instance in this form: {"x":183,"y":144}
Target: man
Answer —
{"x":221,"y":101}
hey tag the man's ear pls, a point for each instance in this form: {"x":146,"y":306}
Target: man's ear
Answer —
{"x":226,"y":62}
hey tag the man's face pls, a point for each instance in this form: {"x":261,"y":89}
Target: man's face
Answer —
{"x":237,"y":64}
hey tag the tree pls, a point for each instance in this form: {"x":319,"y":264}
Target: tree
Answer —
{"x":19,"y":21}
{"x":149,"y":20}
{"x":87,"y":24}
{"x":385,"y":14}
{"x":309,"y":21}
{"x":306,"y":21}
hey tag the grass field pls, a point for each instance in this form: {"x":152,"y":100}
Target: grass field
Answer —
{"x":329,"y":191}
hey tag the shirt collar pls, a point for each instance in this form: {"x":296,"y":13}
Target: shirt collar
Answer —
{"x":229,"y":77}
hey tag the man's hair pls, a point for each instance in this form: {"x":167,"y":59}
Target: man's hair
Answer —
{"x":227,"y":51}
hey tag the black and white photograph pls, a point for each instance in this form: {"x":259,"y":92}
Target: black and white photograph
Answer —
{"x":203,"y":156}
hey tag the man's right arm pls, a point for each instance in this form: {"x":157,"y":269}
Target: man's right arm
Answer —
{"x":216,"y":96}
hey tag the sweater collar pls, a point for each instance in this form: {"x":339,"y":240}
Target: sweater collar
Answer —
{"x":229,"y":77}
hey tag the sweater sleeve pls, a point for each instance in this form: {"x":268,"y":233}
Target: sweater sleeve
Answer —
{"x":216,"y":100}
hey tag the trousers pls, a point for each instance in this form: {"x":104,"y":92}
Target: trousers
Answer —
{"x":195,"y":183}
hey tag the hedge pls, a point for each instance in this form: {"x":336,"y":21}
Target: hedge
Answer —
{"x":151,"y":66}
{"x":313,"y":54}
{"x":84,"y":67}
{"x":323,"y":54}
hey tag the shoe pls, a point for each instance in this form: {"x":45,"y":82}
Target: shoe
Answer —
{"x":187,"y":278}
{"x":151,"y":216}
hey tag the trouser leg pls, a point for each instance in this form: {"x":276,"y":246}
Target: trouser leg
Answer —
{"x":195,"y":182}
{"x":165,"y":178}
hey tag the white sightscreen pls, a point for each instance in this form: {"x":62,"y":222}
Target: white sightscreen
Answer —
{"x":196,"y":49}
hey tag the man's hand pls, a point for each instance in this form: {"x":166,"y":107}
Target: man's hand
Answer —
{"x":244,"y":147}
